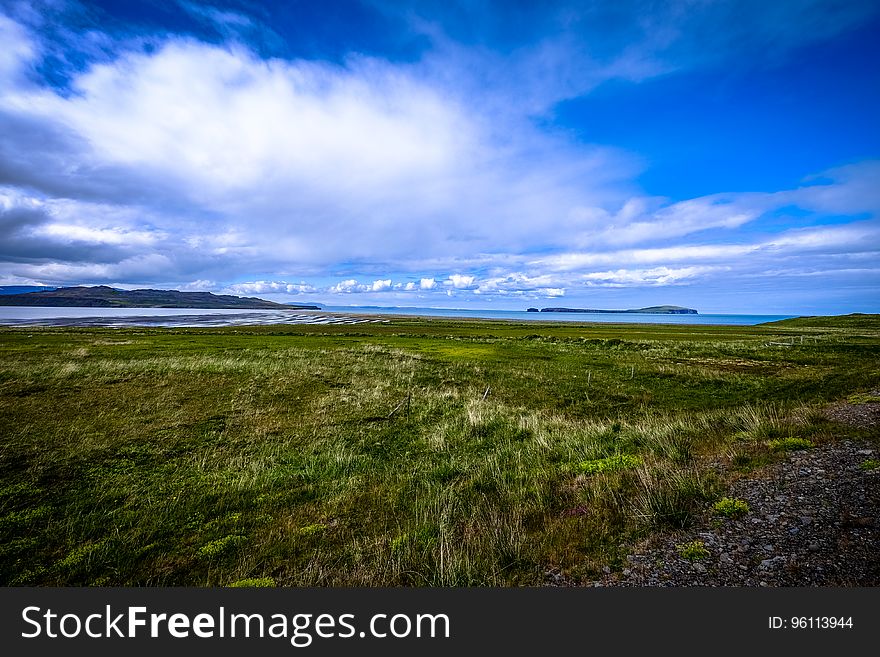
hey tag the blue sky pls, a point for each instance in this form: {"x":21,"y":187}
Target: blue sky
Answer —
{"x":718,"y":155}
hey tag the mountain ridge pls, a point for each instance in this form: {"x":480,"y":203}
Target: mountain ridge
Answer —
{"x":102,"y":296}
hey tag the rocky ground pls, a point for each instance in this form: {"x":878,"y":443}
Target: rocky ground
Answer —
{"x":813,"y":520}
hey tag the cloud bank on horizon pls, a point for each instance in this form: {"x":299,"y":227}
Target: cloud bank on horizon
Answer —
{"x":723,"y":155}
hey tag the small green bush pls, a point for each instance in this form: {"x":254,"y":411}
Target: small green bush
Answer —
{"x":863,"y":398}
{"x":399,"y":543}
{"x":25,"y":517}
{"x":693,"y":551}
{"x":870,"y":464}
{"x":221,"y":545}
{"x":420,"y":539}
{"x":608,"y":464}
{"x":79,"y":555}
{"x":311,"y":530}
{"x":789,"y":444}
{"x":254,"y":582}
{"x":731,"y":507}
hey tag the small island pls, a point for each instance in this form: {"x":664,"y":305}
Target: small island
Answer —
{"x":102,"y":296}
{"x":650,"y":310}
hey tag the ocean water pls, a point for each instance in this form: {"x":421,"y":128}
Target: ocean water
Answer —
{"x":607,"y":318}
{"x":184,"y":317}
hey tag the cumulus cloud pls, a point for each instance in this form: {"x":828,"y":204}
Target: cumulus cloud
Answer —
{"x":460,"y":281}
{"x":270,"y":287}
{"x":346,"y":287}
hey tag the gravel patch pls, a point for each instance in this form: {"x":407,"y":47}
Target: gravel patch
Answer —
{"x":813,"y":520}
{"x":863,"y":416}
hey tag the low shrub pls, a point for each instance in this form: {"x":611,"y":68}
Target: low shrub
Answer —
{"x":221,"y":545}
{"x":731,"y":507}
{"x":608,"y":464}
{"x":253,"y":582}
{"x":789,"y":444}
{"x":693,"y":551}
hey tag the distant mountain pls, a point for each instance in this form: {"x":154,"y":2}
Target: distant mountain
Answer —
{"x":650,"y":310}
{"x":21,"y":289}
{"x":102,"y":296}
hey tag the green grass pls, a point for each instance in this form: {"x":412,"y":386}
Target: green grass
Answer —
{"x":216,"y":456}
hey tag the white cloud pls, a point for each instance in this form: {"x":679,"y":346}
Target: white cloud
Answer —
{"x":851,"y":238}
{"x":141,"y":268}
{"x":201,"y":285}
{"x":345,"y":287}
{"x":98,"y":235}
{"x":427,"y":284}
{"x":17,"y":50}
{"x":229,"y":121}
{"x":270,"y":287}
{"x":460,"y":281}
{"x":641,"y":277}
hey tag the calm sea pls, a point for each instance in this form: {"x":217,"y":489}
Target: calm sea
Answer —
{"x":25,"y":316}
{"x":608,"y":318}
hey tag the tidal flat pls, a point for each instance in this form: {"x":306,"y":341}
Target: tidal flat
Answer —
{"x":416,"y":452}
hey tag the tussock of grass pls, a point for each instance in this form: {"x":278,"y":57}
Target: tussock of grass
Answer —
{"x":672,"y":497}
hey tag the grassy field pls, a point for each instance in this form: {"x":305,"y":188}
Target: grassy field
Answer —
{"x":420,"y":452}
